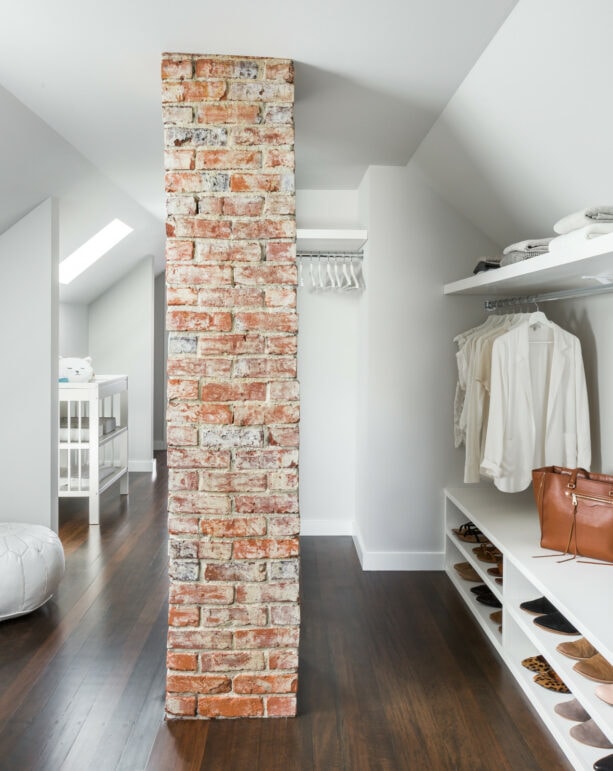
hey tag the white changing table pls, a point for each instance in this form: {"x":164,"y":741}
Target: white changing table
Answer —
{"x":93,"y":439}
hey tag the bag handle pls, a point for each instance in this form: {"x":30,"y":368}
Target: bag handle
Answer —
{"x":572,"y":483}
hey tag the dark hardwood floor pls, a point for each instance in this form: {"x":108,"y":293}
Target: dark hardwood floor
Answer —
{"x":394,"y":673}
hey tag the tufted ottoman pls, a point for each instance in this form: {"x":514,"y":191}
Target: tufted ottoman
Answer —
{"x":31,"y":567}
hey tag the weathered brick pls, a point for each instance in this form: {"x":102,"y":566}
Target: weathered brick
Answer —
{"x":225,"y":67}
{"x":186,"y":662}
{"x":183,"y":570}
{"x":279,"y":113}
{"x":200,"y":413}
{"x":229,"y":113}
{"x":182,"y":343}
{"x":231,"y":344}
{"x":281,"y":345}
{"x":182,"y":479}
{"x":281,"y":637}
{"x":265,"y":274}
{"x":280,"y":204}
{"x":201,"y":594}
{"x":199,"y":321}
{"x":281,"y":251}
{"x":198,"y":503}
{"x":214,"y":550}
{"x":275,"y":157}
{"x":255,"y":366}
{"x":191,"y":458}
{"x":201,"y":227}
{"x":185,"y":367}
{"x":284,"y":391}
{"x":243,"y":206}
{"x":233,"y":527}
{"x":213,"y":639}
{"x":280,"y":297}
{"x":175,"y":113}
{"x":179,"y":160}
{"x":233,"y":481}
{"x":275,"y":458}
{"x":282,"y":71}
{"x":287,"y":614}
{"x":193,"y":91}
{"x":181,"y":548}
{"x":278,"y":503}
{"x":228,"y":159}
{"x":179,"y":251}
{"x":226,"y":661}
{"x":235,"y":616}
{"x":266,"y":593}
{"x":196,"y":275}
{"x":230,"y":706}
{"x":180,"y":616}
{"x":282,"y":480}
{"x":231,"y":391}
{"x":231,"y":251}
{"x":177,"y":69}
{"x":262,"y":91}
{"x":263,"y":683}
{"x":283,"y":436}
{"x":259,"y":414}
{"x":180,"y":706}
{"x":182,"y":436}
{"x":236,"y":571}
{"x":235,"y":297}
{"x":284,"y":570}
{"x":283,"y":659}
{"x":231,"y":436}
{"x":266,"y":321}
{"x":183,"y":295}
{"x":198,"y":684}
{"x":209,"y":205}
{"x":265,"y":548}
{"x":281,"y":706}
{"x":178,"y":525}
{"x":181,"y":206}
{"x":262,"y":135}
{"x":266,"y":183}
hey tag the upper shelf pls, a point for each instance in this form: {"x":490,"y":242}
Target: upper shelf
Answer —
{"x":575,"y":269}
{"x":330,"y":240}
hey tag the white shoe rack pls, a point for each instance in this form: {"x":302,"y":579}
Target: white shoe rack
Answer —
{"x":581,"y":592}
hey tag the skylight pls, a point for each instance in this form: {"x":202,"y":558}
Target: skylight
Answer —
{"x":94,"y":248}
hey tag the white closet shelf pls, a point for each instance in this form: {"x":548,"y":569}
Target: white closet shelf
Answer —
{"x":330,"y":240}
{"x":574,"y":269}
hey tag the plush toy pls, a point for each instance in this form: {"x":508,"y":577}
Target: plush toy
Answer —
{"x":74,"y":370}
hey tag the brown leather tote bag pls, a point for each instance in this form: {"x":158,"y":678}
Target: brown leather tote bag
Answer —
{"x":575,"y":510}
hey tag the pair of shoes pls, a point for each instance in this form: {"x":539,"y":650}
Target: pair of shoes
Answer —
{"x":489,"y":598}
{"x":538,"y":607}
{"x":496,"y":617}
{"x":551,"y":680}
{"x":467,"y":572}
{"x":555,"y":622}
{"x":604,"y":764}
{"x":605,"y":692}
{"x":595,"y":668}
{"x":487,"y":552}
{"x":577,"y":649}
{"x":469,"y":533}
{"x":536,"y":664}
{"x":589,"y":733}
{"x":572,"y":710}
{"x":496,"y":570}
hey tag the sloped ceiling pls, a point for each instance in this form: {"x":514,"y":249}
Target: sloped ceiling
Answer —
{"x":527,"y":137}
{"x":371,"y":80}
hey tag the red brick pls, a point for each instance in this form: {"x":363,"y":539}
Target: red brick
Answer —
{"x":233,"y":481}
{"x":179,"y":160}
{"x":260,"y":91}
{"x":279,"y":503}
{"x":176,"y":69}
{"x":280,"y":204}
{"x":283,"y":659}
{"x":197,"y":227}
{"x":180,"y":479}
{"x":178,"y":616}
{"x":228,"y":113}
{"x":236,"y":344}
{"x":180,"y":706}
{"x":243,"y":206}
{"x":214,"y":639}
{"x":276,"y":157}
{"x":257,"y":414}
{"x":262,"y":593}
{"x":190,"y":412}
{"x":265,"y":638}
{"x":183,"y":181}
{"x":225,"y":67}
{"x":248,"y":615}
{"x":199,"y":503}
{"x":209,"y":205}
{"x":266,"y":321}
{"x":230,"y":706}
{"x":281,"y":706}
{"x":284,"y":436}
{"x":275,"y":458}
{"x":279,"y":114}
{"x":236,"y":571}
{"x":281,"y":251}
{"x":182,"y":389}
{"x":226,"y":297}
{"x":263,"y":135}
{"x":179,"y":251}
{"x":182,"y":525}
{"x":228,"y":159}
{"x":193,"y":91}
{"x":201,"y":594}
{"x":185,"y":662}
{"x":265,"y":274}
{"x":233,"y":527}
{"x":199,"y":274}
{"x":233,"y":391}
{"x":198,"y":321}
{"x":185,"y":367}
{"x":225,"y":661}
{"x":281,"y":345}
{"x":172,"y":91}
{"x":177,"y":113}
{"x":198,"y":684}
{"x":287,"y":614}
{"x":280,"y":297}
{"x":282,"y":480}
{"x":265,"y":683}
{"x":221,"y":251}
{"x":181,"y":295}
{"x":182,"y":436}
{"x":198,"y":458}
{"x":268,"y":183}
{"x":282,"y":71}
{"x":284,"y":390}
{"x":254,"y":366}
{"x":265,"y":548}
{"x":214,"y":550}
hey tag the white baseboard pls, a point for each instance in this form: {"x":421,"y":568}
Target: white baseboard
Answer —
{"x":159,"y":444}
{"x":397,"y":560}
{"x":149,"y":466}
{"x":326,"y":527}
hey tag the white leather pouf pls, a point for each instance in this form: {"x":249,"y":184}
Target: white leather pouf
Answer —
{"x":31,"y":567}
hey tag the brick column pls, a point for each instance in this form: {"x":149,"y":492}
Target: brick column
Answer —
{"x":233,"y":405}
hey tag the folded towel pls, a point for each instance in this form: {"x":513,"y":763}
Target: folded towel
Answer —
{"x":532,"y":245}
{"x":584,"y":217}
{"x":512,"y":257}
{"x":571,"y":240}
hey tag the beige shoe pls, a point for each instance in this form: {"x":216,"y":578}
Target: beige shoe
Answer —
{"x":605,"y":692}
{"x":589,"y":733}
{"x":571,"y":710}
{"x":466,"y":571}
{"x":595,"y":668}
{"x":578,"y":649}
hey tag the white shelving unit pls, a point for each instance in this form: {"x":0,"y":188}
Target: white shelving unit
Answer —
{"x":545,"y":273}
{"x":330,"y":240}
{"x":93,"y":439}
{"x":581,"y":592}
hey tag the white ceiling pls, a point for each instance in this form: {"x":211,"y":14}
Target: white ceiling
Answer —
{"x":371,"y":79}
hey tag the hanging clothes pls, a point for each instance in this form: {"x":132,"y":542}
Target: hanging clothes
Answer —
{"x":525,"y":400}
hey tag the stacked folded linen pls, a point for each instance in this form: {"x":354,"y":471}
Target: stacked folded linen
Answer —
{"x":580,"y":236}
{"x":579,"y":219}
{"x":522,"y":250}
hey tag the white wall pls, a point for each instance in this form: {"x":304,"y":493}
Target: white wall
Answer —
{"x":407,"y":374}
{"x":121,"y":324}
{"x":74,"y":330}
{"x":159,"y":364}
{"x":28,"y":387}
{"x":327,"y":209}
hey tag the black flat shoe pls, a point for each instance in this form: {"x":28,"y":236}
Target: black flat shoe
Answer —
{"x":555,"y":622}
{"x":489,"y":599}
{"x":481,"y":589}
{"x":604,"y":764}
{"x":538,"y":607}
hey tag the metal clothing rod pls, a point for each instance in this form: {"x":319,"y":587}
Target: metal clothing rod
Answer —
{"x":331,"y":255}
{"x":563,"y":294}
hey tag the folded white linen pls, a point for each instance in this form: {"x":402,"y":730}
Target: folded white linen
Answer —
{"x":537,"y":245}
{"x":584,"y":217}
{"x":566,"y":241}
{"x":512,"y":257}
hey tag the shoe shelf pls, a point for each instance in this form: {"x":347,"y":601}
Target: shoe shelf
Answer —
{"x":579,"y":591}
